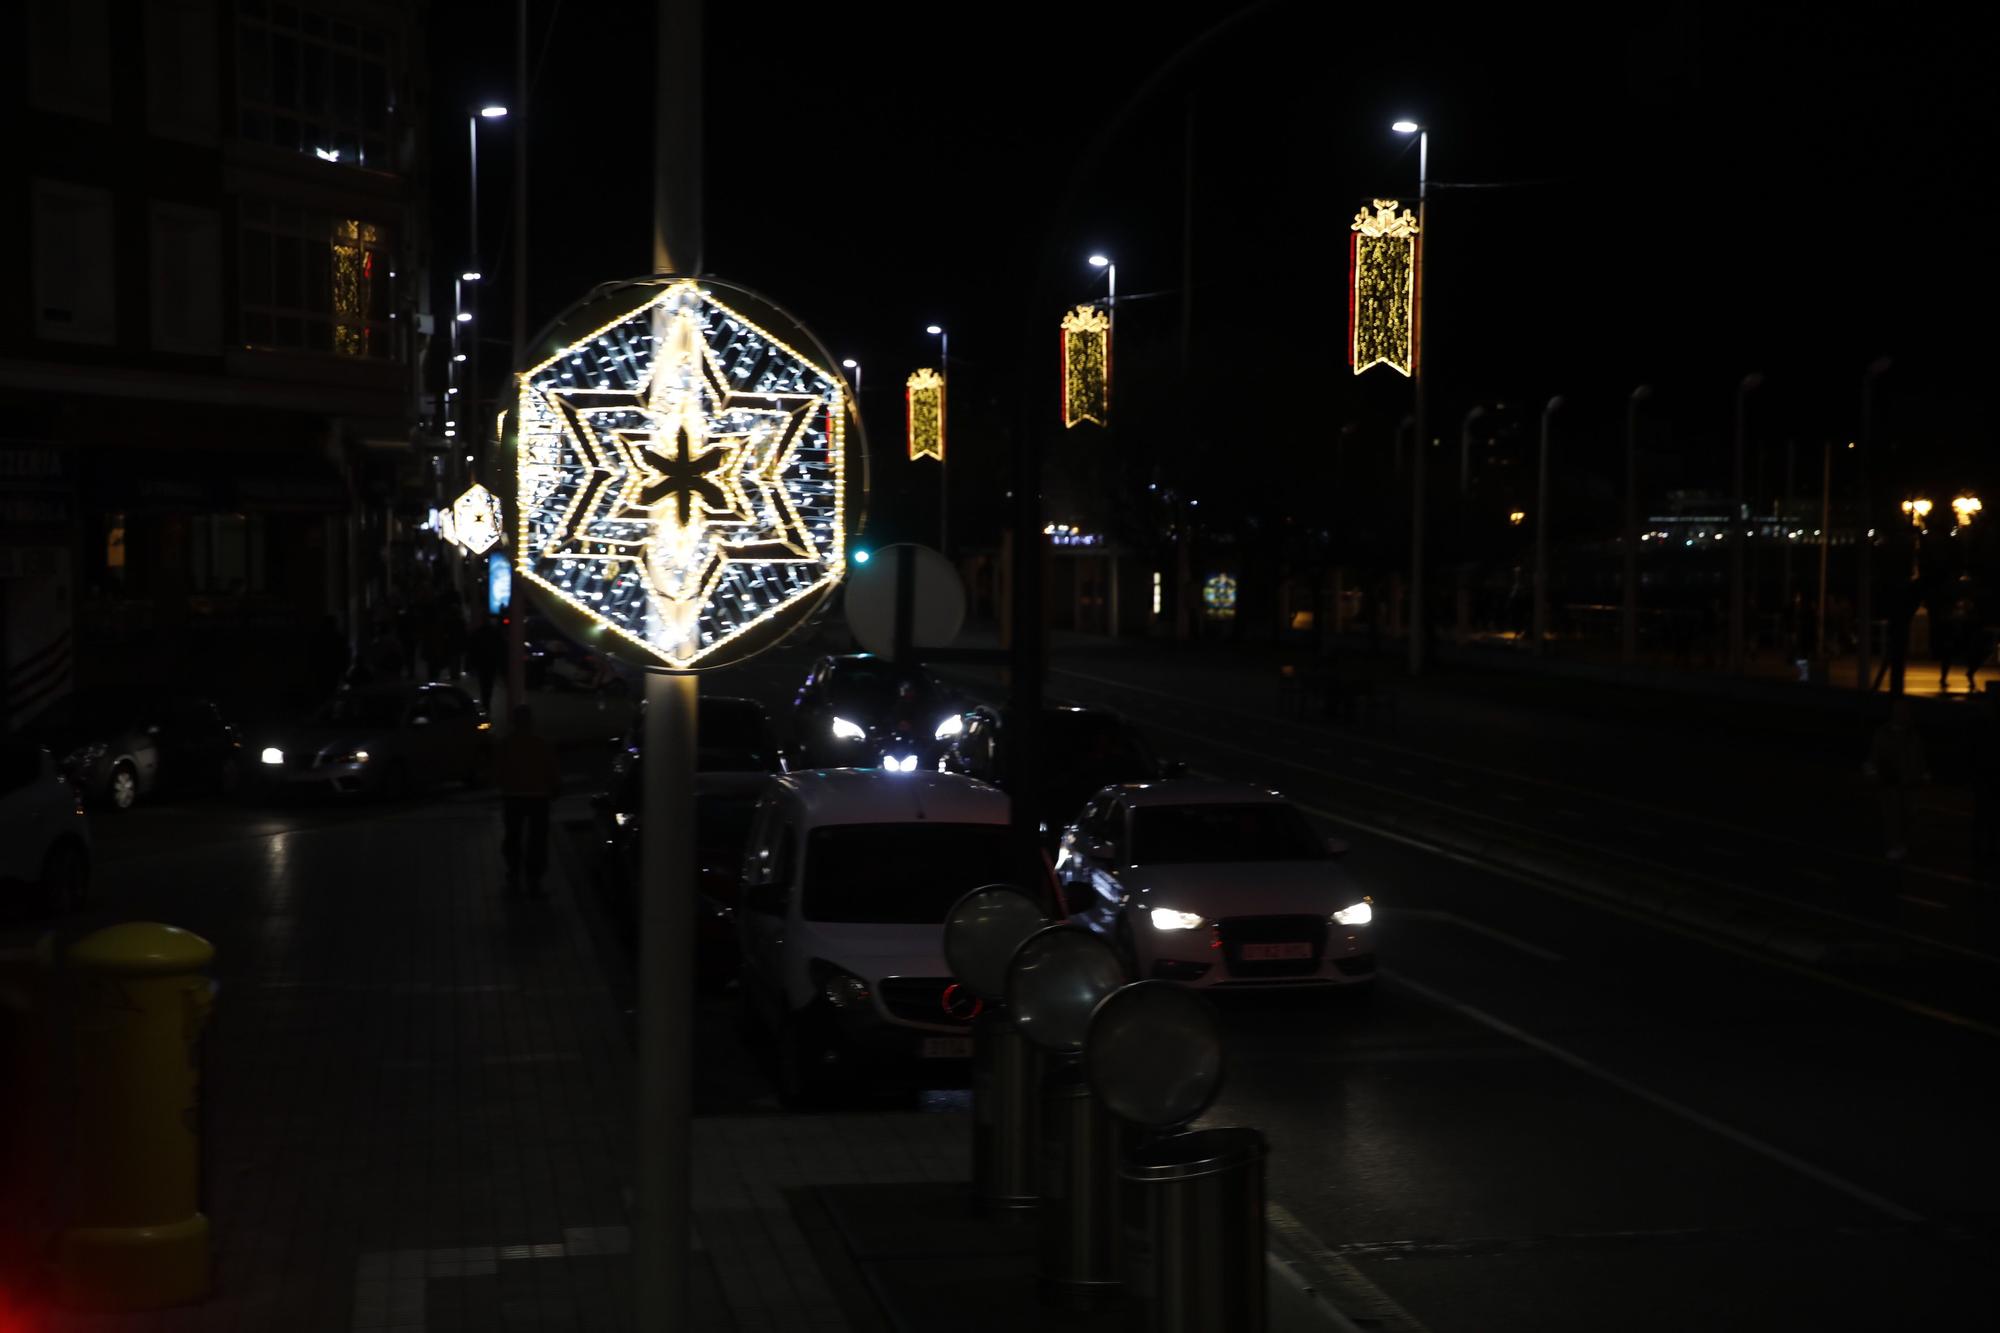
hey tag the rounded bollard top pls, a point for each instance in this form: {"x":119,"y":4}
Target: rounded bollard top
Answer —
{"x":1199,"y":1152}
{"x":141,"y":948}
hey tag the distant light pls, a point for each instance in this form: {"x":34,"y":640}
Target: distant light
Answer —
{"x":1098,"y":261}
{"x":861,"y":556}
{"x":465,"y":316}
{"x":273,"y":755}
{"x":851,"y":364}
{"x":468,"y":277}
{"x":459,"y":357}
{"x":468,"y":458}
{"x":493,"y":112}
{"x":449,"y":433}
{"x":933,"y":329}
{"x":327,"y":154}
{"x":1406,"y":127}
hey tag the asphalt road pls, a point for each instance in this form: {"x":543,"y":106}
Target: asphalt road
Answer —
{"x":1555,"y":1112}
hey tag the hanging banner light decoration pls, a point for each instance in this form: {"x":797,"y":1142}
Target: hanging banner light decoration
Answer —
{"x":1381,"y":288}
{"x":1218,"y":597}
{"x":476,"y":519}
{"x":1086,"y":360}
{"x":683,"y":472}
{"x":925,"y":394}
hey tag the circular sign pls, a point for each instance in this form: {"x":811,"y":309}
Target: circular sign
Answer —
{"x":937,"y":602}
{"x":1153,"y":1054}
{"x":981,"y":933}
{"x":1056,"y":980}
{"x":688,"y":465}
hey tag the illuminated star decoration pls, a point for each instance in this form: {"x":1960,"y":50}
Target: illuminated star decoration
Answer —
{"x":1218,"y":597}
{"x":1382,"y":274}
{"x":1086,"y":359}
{"x":475,"y":520}
{"x":681,"y":476}
{"x":924,"y":391}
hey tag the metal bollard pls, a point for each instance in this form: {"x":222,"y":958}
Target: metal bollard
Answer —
{"x":1194,"y":1231}
{"x":1006,"y":1072}
{"x":1081,"y":1142}
{"x":130,"y":1234}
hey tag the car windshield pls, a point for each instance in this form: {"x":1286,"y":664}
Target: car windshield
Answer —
{"x":1203,"y":832}
{"x":361,"y":710}
{"x":907,"y":874}
{"x":874,"y":684}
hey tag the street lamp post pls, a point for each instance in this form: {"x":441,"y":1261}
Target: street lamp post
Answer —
{"x":944,"y":491}
{"x":1463,"y":609}
{"x":1539,"y":615}
{"x":1738,"y":534}
{"x":1628,"y":613}
{"x":1864,"y":595}
{"x":855,"y":366}
{"x":1420,"y":438}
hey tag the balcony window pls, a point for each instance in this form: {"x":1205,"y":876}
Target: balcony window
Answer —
{"x":314,"y":86}
{"x":311,"y":281}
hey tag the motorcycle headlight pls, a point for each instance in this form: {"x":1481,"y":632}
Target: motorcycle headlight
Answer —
{"x":1360,"y":914}
{"x":1166,"y":918}
{"x":951,"y":726}
{"x":272,"y":755}
{"x":843,"y":730}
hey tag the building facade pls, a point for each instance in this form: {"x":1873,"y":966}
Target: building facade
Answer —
{"x":211,"y":368}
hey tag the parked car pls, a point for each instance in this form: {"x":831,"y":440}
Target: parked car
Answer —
{"x":44,"y":836}
{"x":105,"y":743}
{"x":847,"y":877}
{"x":387,"y":738}
{"x":1081,"y":751}
{"x":1215,"y":884}
{"x":857,"y":710}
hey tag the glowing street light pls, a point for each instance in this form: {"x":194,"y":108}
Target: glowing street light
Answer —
{"x":855,"y":366}
{"x":1918,"y":510}
{"x":493,"y":112}
{"x":1963,"y":507}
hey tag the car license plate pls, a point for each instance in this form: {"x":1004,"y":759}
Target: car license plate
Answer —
{"x":1269,"y":953}
{"x":947,"y":1048}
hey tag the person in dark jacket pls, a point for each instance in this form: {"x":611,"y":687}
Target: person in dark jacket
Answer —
{"x":486,"y":653}
{"x":526,"y":770}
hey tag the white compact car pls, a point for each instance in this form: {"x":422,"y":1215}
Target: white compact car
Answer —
{"x":1214,"y":884}
{"x":847,"y":877}
{"x":44,"y":836}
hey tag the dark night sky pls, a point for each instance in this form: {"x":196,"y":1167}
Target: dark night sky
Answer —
{"x":1679,"y":194}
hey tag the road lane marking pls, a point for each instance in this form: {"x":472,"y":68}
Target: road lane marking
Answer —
{"x":1359,"y":1300}
{"x":1454,"y":919}
{"x":1770,"y":1151}
{"x":1504,"y":776}
{"x":1406,"y":772}
{"x":1638,"y":832}
{"x":1811,"y":909}
{"x":1513,"y":796}
{"x":1568,"y":813}
{"x":1455,"y":784}
{"x":1924,"y":902}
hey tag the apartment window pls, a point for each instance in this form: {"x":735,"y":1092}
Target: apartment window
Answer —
{"x":187,"y":279}
{"x":315,"y":282}
{"x":72,"y":264}
{"x":180,"y":69}
{"x":226,"y":554}
{"x":69,"y":58}
{"x":309,"y":83}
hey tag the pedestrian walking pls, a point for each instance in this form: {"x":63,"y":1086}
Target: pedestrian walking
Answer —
{"x":485,"y":653}
{"x":525,"y":767}
{"x":1896,"y":762}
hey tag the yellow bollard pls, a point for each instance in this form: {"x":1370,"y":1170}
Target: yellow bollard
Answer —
{"x":131,"y":1232}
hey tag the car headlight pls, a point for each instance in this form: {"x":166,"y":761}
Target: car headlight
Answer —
{"x":1166,"y":918}
{"x":842,"y":989}
{"x":951,"y":726}
{"x":355,"y":757}
{"x":1360,"y":914}
{"x":843,"y":730}
{"x":272,"y":755}
{"x":892,"y":764}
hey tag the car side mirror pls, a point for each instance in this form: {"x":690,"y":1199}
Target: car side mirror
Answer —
{"x":768,"y":899}
{"x":1336,"y":846}
{"x":1173,"y":768}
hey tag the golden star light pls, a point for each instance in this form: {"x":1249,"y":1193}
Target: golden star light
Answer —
{"x":1381,"y":289}
{"x":476,"y":520}
{"x":1086,"y":358}
{"x":924,"y":392}
{"x":681,"y":479}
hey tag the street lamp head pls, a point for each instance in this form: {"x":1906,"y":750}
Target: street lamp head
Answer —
{"x":471,"y":275}
{"x":933,"y":329}
{"x":465,"y":316}
{"x":493,"y":112}
{"x":851,"y":363}
{"x":1099,"y":261}
{"x":1406,"y":127}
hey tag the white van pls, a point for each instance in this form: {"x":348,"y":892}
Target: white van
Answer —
{"x":847,"y":878}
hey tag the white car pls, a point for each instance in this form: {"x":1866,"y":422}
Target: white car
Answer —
{"x":847,"y":877}
{"x":44,"y":836}
{"x":1215,"y":884}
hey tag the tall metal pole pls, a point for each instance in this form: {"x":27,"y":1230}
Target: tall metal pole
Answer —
{"x":1539,"y":620}
{"x":1738,"y":537}
{"x":667,"y":850}
{"x":1785,"y":550}
{"x":1462,"y":612}
{"x":517,"y":608}
{"x":1825,"y":535}
{"x":1864,"y":595}
{"x":1420,"y":439}
{"x":1628,"y":611}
